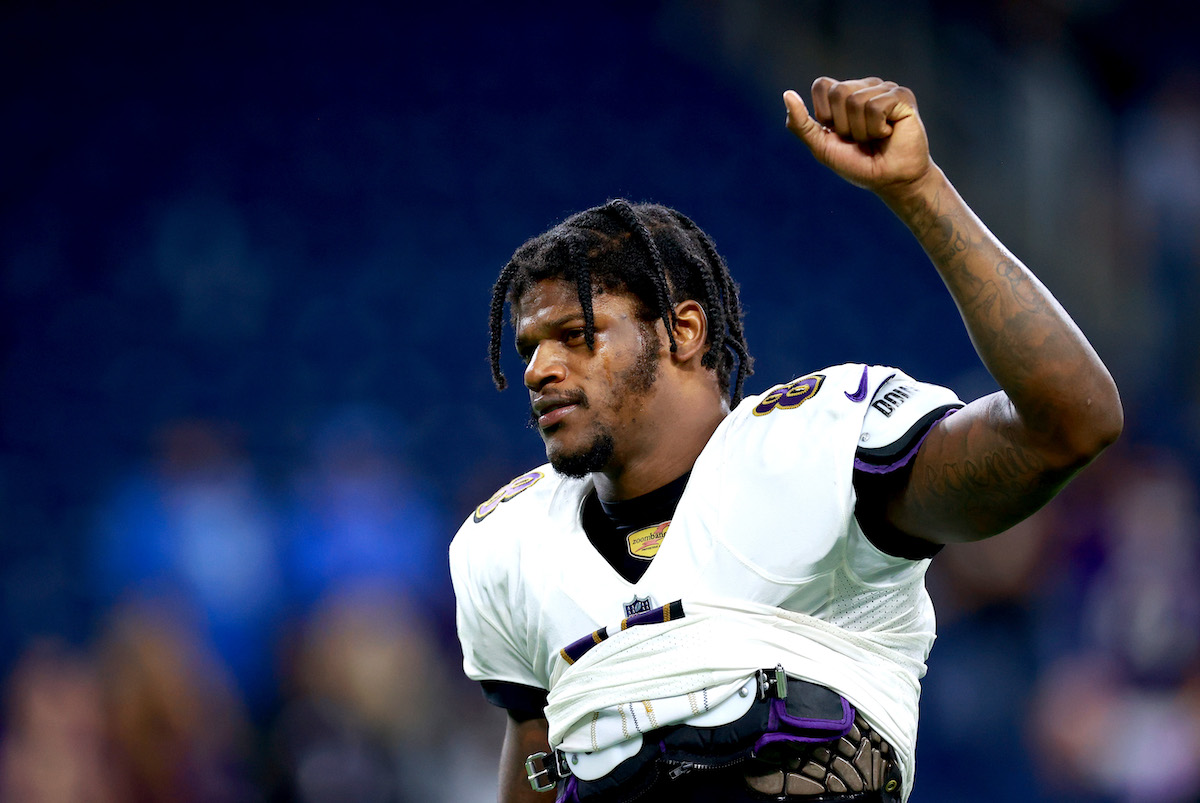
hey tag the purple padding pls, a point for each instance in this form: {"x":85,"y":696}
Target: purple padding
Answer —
{"x":782,"y":727}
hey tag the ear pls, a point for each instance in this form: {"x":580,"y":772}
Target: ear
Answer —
{"x":691,"y":330}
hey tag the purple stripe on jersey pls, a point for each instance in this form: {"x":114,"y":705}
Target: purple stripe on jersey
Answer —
{"x":861,"y":465}
{"x":576,"y":649}
{"x":666,"y":613}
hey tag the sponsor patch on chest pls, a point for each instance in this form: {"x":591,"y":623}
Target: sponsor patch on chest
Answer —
{"x":644,"y":543}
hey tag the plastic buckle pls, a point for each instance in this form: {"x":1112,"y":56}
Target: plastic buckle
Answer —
{"x":772,"y":683}
{"x":543,"y":780}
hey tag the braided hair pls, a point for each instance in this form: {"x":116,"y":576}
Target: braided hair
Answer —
{"x":652,"y":252}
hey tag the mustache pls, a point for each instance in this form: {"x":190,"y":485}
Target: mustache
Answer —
{"x":569,"y":397}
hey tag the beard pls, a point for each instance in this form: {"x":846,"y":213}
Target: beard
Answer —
{"x":581,"y":463}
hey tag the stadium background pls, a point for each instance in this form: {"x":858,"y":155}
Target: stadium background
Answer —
{"x":246,"y":255}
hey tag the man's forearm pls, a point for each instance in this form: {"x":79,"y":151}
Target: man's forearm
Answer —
{"x":1054,"y":378}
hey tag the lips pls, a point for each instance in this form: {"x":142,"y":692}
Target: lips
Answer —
{"x":554,"y":415}
{"x":551,"y":410}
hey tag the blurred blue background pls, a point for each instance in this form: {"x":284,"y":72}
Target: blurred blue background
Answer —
{"x":246,"y":256}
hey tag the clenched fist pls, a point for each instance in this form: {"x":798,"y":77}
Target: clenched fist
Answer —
{"x":866,"y":130}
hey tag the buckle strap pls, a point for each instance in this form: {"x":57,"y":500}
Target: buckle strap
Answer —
{"x":550,"y":772}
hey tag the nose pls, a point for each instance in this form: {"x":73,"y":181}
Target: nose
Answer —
{"x":545,"y":366}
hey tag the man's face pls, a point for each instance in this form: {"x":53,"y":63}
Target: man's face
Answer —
{"x":587,"y":404}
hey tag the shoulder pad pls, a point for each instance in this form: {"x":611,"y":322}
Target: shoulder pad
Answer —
{"x":899,"y":414}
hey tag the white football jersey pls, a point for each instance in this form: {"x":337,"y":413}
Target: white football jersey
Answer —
{"x":767,"y":518}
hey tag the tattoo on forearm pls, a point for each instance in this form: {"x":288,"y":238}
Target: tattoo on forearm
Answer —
{"x":1023,"y":289}
{"x":983,"y":299}
{"x":947,"y":240}
{"x":953,"y":245}
{"x":938,"y":234}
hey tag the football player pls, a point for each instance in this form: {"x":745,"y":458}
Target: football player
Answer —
{"x":707,"y":597}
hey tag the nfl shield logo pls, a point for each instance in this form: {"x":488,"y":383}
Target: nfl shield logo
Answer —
{"x":639,"y":605}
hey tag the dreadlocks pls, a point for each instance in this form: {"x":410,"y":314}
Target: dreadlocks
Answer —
{"x":652,"y":252}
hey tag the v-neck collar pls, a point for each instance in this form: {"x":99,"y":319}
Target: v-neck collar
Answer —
{"x":618,"y":531}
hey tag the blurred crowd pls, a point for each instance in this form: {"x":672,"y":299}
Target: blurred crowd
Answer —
{"x":245,"y":403}
{"x":253,"y":647}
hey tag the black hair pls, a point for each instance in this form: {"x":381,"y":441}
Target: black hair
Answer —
{"x":654,"y":253}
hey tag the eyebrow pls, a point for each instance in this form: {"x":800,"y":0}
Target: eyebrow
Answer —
{"x":557,"y":323}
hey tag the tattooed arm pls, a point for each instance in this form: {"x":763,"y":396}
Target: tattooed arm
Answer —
{"x":1003,"y":456}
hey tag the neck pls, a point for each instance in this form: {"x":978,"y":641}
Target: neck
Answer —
{"x":674,"y":454}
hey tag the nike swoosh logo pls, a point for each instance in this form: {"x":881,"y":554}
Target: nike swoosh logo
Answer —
{"x":861,"y":393}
